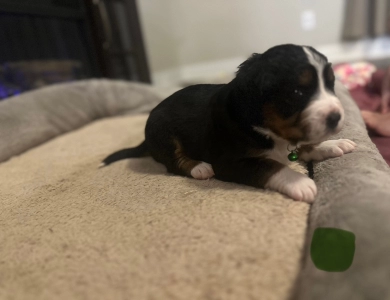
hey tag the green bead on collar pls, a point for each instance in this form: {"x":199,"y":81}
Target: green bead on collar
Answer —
{"x":293,"y":156}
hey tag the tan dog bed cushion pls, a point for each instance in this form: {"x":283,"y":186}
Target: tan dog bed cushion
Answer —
{"x":128,"y":231}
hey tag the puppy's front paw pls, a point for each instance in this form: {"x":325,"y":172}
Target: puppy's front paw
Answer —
{"x":329,"y":149}
{"x":295,"y":185}
{"x":303,"y":189}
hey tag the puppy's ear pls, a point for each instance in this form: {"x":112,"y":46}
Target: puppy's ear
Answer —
{"x":249,"y":65}
{"x":252,"y":74}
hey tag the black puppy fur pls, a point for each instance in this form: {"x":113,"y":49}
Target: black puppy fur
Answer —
{"x":214,"y":123}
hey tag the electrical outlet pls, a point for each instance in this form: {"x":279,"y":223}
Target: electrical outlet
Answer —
{"x":308,"y":20}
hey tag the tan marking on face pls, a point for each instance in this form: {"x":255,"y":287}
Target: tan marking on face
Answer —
{"x":287,"y":129}
{"x":306,"y":77}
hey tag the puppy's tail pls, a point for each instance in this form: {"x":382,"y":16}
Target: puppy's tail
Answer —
{"x":139,"y":151}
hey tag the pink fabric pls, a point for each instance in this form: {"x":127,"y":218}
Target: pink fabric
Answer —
{"x":354,"y":75}
{"x":368,"y":97}
{"x":383,"y":145}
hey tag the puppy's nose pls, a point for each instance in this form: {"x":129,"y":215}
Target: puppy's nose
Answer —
{"x":333,"y":120}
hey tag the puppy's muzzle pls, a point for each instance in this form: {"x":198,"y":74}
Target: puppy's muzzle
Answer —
{"x":332,"y":120}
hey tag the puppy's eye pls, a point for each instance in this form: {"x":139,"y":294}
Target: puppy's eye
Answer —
{"x":298,"y":92}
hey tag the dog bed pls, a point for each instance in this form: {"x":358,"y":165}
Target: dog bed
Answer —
{"x":131,"y":231}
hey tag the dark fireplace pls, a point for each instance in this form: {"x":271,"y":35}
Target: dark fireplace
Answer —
{"x":43,"y":42}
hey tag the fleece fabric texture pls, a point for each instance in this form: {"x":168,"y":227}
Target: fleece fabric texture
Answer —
{"x":130,"y":230}
{"x":354,"y":195}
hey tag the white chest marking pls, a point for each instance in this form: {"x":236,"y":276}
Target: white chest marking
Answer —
{"x":279,"y":152}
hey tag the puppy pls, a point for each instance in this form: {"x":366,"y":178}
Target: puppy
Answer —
{"x":243,"y":131}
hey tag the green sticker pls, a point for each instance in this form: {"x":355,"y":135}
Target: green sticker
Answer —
{"x":332,"y":249}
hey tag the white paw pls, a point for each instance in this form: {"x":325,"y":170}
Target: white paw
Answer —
{"x":330,"y":149}
{"x":303,"y":189}
{"x":295,"y":185}
{"x":202,"y":171}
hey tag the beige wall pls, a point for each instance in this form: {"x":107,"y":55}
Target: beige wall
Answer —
{"x":160,"y":36}
{"x":280,"y":22}
{"x":187,"y":32}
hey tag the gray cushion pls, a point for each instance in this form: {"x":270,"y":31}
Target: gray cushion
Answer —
{"x":37,"y":116}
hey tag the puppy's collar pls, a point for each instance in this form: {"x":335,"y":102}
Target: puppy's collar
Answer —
{"x":293,"y":156}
